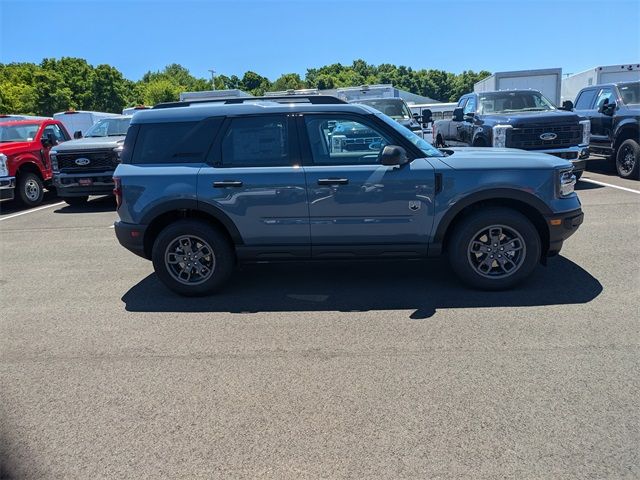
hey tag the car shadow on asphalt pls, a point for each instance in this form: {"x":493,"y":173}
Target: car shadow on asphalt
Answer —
{"x":94,"y":205}
{"x":421,"y":287}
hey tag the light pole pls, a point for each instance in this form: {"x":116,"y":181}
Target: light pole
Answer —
{"x":213,"y":79}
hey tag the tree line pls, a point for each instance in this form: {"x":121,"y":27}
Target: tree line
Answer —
{"x":55,"y":85}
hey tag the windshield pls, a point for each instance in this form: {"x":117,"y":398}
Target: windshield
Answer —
{"x":630,"y":93}
{"x":392,"y":107}
{"x":18,"y":133}
{"x":109,"y":127}
{"x":428,"y":149}
{"x":504,"y":102}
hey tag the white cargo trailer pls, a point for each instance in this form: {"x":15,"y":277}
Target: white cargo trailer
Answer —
{"x":572,"y":84}
{"x":547,"y":81}
{"x":350,"y":94}
{"x":80,"y":120}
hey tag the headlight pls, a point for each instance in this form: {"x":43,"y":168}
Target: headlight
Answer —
{"x":586,"y":131}
{"x":4,"y":171}
{"x":53,"y":156}
{"x":566,"y":182}
{"x":118,"y":152}
{"x":500,"y":135}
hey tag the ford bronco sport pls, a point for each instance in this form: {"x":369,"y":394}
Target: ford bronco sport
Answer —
{"x":203,"y":186}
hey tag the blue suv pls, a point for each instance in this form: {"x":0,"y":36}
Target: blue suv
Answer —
{"x":203,"y":186}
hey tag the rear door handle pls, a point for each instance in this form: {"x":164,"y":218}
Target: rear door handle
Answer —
{"x":333,"y":181}
{"x":227,"y":183}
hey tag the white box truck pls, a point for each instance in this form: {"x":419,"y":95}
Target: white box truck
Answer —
{"x":77,"y":122}
{"x":572,"y":84}
{"x":212,"y":94}
{"x":350,"y":94}
{"x":547,"y":81}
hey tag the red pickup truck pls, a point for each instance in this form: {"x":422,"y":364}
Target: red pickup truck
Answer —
{"x":25,"y":167}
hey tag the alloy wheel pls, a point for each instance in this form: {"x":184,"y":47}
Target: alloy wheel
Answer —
{"x":496,"y":251}
{"x":190,"y":260}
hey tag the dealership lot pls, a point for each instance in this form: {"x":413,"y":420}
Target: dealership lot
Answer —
{"x":329,"y":370}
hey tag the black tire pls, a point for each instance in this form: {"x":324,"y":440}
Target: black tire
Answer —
{"x":30,"y":189}
{"x":514,"y":225}
{"x":221,"y":258}
{"x":76,"y":201}
{"x":628,"y":159}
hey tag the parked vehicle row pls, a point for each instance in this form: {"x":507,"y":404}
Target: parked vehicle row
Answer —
{"x":200,"y":188}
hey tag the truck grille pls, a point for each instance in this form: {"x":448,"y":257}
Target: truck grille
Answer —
{"x":98,"y":160}
{"x":528,"y":138}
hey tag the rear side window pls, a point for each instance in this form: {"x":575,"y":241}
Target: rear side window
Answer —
{"x":177,"y":142}
{"x":255,"y":142}
{"x":585,"y":100}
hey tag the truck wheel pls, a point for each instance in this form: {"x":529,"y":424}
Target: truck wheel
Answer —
{"x":494,"y":248}
{"x":76,"y":201}
{"x":192,"y":258}
{"x":30,"y":189}
{"x":628,"y":159}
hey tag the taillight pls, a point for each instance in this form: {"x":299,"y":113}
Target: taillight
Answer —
{"x":117,"y":191}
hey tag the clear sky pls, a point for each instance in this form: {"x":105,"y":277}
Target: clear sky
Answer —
{"x":273,"y":37}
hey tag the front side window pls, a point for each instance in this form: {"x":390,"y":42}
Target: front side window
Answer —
{"x":507,"y":102}
{"x":343,"y":141}
{"x":256,"y":142}
{"x":470,"y":107}
{"x":109,"y":127}
{"x":607,"y":96}
{"x":56,"y":131}
{"x":585,"y":100}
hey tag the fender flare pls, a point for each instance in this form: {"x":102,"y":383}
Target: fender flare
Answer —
{"x":529,"y":199}
{"x":195,"y":205}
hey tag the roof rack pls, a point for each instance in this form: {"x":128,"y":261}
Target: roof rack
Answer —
{"x":312,"y":99}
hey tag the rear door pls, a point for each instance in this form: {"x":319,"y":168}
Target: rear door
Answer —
{"x":356,"y":205}
{"x":253,"y":175}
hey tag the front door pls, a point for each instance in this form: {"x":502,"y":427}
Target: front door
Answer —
{"x":253,"y":175}
{"x":601,"y":123}
{"x":356,"y":205}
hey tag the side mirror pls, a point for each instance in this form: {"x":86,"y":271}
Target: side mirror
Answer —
{"x":427,"y":115}
{"x":468,"y":117}
{"x":567,"y":105}
{"x":393,"y":155}
{"x":607,"y":108}
{"x":416,"y":116}
{"x":458,"y":114}
{"x":48,"y":141}
{"x":77,"y":134}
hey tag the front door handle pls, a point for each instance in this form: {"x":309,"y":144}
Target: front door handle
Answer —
{"x":227,"y":183}
{"x":333,"y":181}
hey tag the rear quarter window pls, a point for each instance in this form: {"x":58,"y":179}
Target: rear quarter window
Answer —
{"x":174,"y":142}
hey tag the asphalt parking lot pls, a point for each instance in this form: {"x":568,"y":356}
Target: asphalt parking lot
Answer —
{"x":327,"y":370}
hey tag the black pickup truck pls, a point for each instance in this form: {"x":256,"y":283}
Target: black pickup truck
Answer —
{"x":614,"y":111}
{"x":522,"y":119}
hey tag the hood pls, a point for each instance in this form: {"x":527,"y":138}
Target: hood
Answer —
{"x":11,"y":148}
{"x":90,"y":143}
{"x":520,"y":119}
{"x":502,"y":159}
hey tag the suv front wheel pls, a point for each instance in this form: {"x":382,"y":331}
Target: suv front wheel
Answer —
{"x":192,"y":258}
{"x":494,"y":248}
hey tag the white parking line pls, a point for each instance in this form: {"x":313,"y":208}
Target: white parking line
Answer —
{"x":31,"y":211}
{"x":609,"y":185}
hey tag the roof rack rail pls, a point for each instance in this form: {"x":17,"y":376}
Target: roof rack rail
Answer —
{"x":312,"y":99}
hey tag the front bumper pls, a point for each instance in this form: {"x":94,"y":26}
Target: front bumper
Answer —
{"x":562,"y":226}
{"x":576,"y":155}
{"x":76,"y":184}
{"x":7,"y":188}
{"x":131,"y":237}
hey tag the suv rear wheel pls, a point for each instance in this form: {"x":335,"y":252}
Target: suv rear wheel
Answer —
{"x":494,"y":249}
{"x":30,"y":189}
{"x":628,"y":159}
{"x":192,"y":258}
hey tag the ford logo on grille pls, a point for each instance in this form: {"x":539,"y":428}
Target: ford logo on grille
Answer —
{"x":82,"y":161}
{"x":544,"y":136}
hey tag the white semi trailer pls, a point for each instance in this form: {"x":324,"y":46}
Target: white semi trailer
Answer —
{"x":572,"y":84}
{"x":547,"y":81}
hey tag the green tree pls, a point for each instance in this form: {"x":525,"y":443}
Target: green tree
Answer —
{"x":161,"y":90}
{"x":50,"y":96}
{"x":288,"y":81}
{"x":109,"y":90}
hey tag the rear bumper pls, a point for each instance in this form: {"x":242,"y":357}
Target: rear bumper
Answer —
{"x":562,"y":226}
{"x":7,"y":188}
{"x":71,"y":184}
{"x":131,"y":237}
